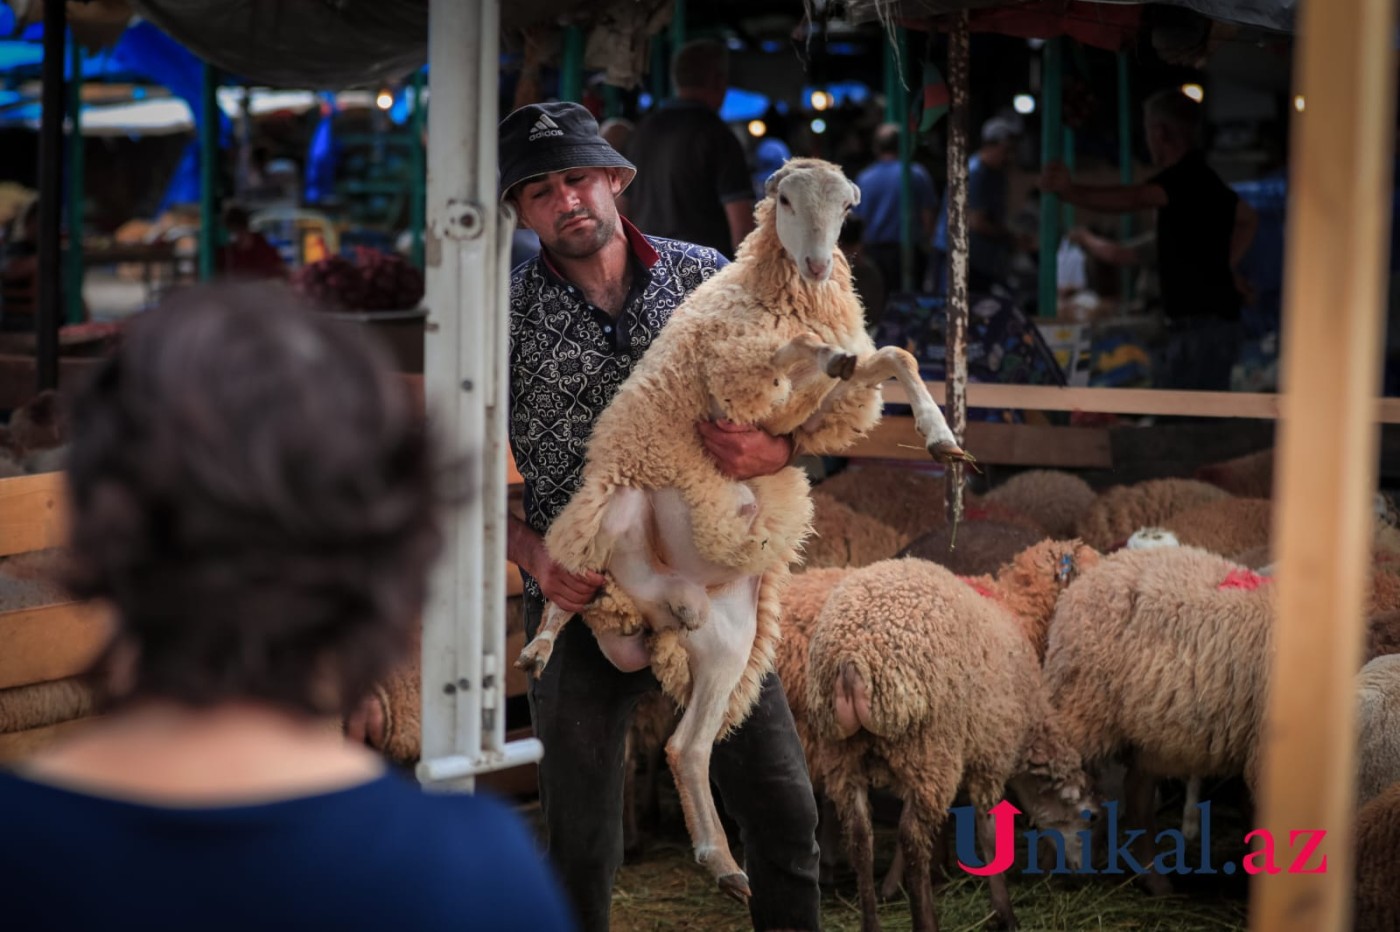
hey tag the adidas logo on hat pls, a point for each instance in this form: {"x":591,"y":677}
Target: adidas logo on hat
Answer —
{"x":544,"y":126}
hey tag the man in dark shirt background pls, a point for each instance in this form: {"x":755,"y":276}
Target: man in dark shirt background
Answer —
{"x":1203,"y":230}
{"x":693,"y":179}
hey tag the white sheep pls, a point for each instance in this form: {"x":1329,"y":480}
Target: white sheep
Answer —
{"x":923,"y":682}
{"x":775,"y":339}
{"x":1161,"y":656}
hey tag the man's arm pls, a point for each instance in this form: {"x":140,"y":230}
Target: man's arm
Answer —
{"x":1105,"y":250}
{"x":1118,"y":198}
{"x":740,"y":216}
{"x":744,"y":452}
{"x":1246,"y":225}
{"x":525,"y":548}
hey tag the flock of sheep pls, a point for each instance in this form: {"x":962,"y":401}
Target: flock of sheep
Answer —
{"x":1067,"y":632}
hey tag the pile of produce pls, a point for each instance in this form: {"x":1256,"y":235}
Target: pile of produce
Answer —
{"x":373,"y":281}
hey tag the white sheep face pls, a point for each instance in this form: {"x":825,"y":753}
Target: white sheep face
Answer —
{"x":811,"y":200}
{"x":1150,"y":538}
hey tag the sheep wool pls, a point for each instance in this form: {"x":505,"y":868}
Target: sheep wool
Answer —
{"x":1377,"y":840}
{"x":1249,"y":476}
{"x":1153,"y":650}
{"x":1054,"y":499}
{"x":1227,"y":527}
{"x":980,"y":547}
{"x":1120,"y":511}
{"x":909,"y":500}
{"x":842,"y":536}
{"x":1378,"y":727}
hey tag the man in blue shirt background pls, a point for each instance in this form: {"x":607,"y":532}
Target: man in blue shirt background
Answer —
{"x":990,"y":239}
{"x":879,"y":209}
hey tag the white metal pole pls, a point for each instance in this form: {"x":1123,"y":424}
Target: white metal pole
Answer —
{"x":464,"y":378}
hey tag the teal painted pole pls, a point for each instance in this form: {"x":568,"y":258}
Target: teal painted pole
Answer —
{"x":1051,"y":148}
{"x":1126,"y":279}
{"x":897,"y":112}
{"x":208,"y":173}
{"x":1067,"y":210}
{"x":418,"y":206}
{"x":677,"y":25}
{"x":660,"y":69}
{"x":571,"y":67}
{"x":73,"y":266}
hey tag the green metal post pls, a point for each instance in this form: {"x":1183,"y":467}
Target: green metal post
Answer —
{"x":208,"y":173}
{"x":571,"y":67}
{"x":1067,"y":210}
{"x":660,"y":69}
{"x":1126,"y":278}
{"x":612,"y":102}
{"x":1051,"y":148}
{"x":73,"y":265}
{"x":418,"y":204}
{"x":897,"y":111}
{"x":677,"y":25}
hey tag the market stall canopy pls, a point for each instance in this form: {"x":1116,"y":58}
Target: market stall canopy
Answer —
{"x":355,"y":43}
{"x":1267,"y":14}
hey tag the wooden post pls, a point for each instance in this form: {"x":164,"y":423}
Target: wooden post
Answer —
{"x":1338,"y":226}
{"x":209,"y":154}
{"x":50,"y":197}
{"x":73,"y":261}
{"x":1125,"y":167}
{"x":957,"y":251}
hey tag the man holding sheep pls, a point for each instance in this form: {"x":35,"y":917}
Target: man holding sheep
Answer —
{"x":582,"y":313}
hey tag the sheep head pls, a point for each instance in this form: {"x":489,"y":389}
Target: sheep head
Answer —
{"x":810,"y":201}
{"x":1053,"y":788}
{"x":1032,"y":582}
{"x":1150,"y":538}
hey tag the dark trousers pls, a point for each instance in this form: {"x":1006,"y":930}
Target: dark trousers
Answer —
{"x":582,"y":708}
{"x":1199,"y":354}
{"x":887,"y":258}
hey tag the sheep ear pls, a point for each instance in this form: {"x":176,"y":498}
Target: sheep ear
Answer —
{"x":855,"y":192}
{"x":770,"y":187}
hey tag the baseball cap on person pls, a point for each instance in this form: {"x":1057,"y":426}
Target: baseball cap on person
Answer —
{"x":1000,"y":128}
{"x":539,"y":139}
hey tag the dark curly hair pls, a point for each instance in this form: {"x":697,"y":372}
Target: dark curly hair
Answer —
{"x":254,"y":495}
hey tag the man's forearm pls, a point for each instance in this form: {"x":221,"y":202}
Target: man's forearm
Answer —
{"x":522,"y":544}
{"x":1115,"y":198}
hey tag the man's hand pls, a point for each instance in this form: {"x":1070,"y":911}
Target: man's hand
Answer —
{"x":570,"y":591}
{"x":744,"y":452}
{"x":1055,"y":178}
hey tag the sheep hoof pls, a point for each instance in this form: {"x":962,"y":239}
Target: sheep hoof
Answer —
{"x":737,"y":886}
{"x":945,"y":451}
{"x":841,"y":365}
{"x":686,"y":615}
{"x":534,"y":657}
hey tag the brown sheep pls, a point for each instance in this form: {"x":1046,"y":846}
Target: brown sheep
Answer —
{"x":1225,"y":527}
{"x":981,"y":546}
{"x":1249,"y":476}
{"x":1054,"y":499}
{"x":1377,"y":841}
{"x":842,"y":536}
{"x":1120,"y":511}
{"x":910,"y":501}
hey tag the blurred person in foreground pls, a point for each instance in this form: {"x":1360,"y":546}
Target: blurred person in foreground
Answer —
{"x":256,"y":501}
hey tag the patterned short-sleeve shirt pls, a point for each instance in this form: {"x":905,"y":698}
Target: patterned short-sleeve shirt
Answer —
{"x":568,"y":358}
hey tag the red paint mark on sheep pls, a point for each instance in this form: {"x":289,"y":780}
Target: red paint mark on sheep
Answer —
{"x":1243,"y":579}
{"x":980,"y":587}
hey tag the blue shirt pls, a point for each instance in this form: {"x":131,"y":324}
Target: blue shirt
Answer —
{"x":879,"y":200}
{"x":568,"y":358}
{"x":380,"y":855}
{"x":986,"y":191}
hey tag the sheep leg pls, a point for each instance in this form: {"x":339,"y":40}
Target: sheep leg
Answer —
{"x":1140,"y":792}
{"x":718,"y":653}
{"x":889,"y":887}
{"x":1190,"y":815}
{"x":537,"y":653}
{"x":810,"y":348}
{"x":854,"y":807}
{"x":828,"y":839}
{"x":1001,"y":896}
{"x":892,"y":362}
{"x":918,"y":822}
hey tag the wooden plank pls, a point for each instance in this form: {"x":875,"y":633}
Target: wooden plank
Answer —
{"x":997,"y":444}
{"x":1334,"y":295}
{"x":52,"y":642}
{"x":1132,"y":401}
{"x":18,"y":376}
{"x":415,"y":387}
{"x":18,"y":745}
{"x":33,"y":513}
